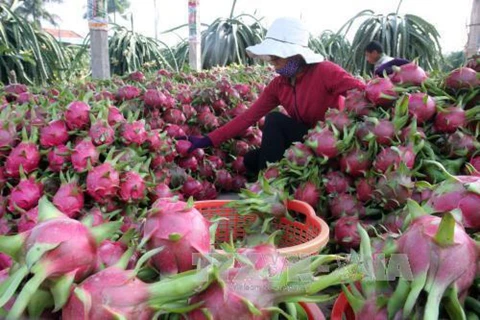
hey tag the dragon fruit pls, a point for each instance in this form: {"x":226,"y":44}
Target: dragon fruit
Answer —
{"x":462,"y":78}
{"x":27,"y":220}
{"x":26,"y":155}
{"x":154,"y":98}
{"x":77,"y":115}
{"x":127,"y":92}
{"x":380,"y":91}
{"x":58,"y":157}
{"x":299,"y":155}
{"x":309,"y":193}
{"x":356,"y":162}
{"x":115,"y":292}
{"x":461,"y":144}
{"x":409,"y":74}
{"x":57,"y":249}
{"x":394,"y":188}
{"x":338,"y":119}
{"x":115,"y":116}
{"x":207,"y":120}
{"x":245,"y":292}
{"x":132,"y":187}
{"x":84,"y":154}
{"x":337,"y":182}
{"x":357,"y":103}
{"x":346,"y":232}
{"x":181,"y":230}
{"x":8,"y":135}
{"x":346,"y":205}
{"x":54,"y":134}
{"x":25,"y":195}
{"x":421,"y":106}
{"x":174,"y":116}
{"x":441,"y":255}
{"x":458,"y":193}
{"x":69,"y":198}
{"x":134,"y":133}
{"x":101,"y":133}
{"x":103,"y":182}
{"x":449,"y":119}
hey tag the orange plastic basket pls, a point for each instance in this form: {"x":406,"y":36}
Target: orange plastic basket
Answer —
{"x":299,"y":238}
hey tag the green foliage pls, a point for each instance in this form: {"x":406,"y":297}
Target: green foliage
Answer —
{"x":407,"y":36}
{"x":130,"y":51}
{"x":225,"y":40}
{"x":332,"y":46}
{"x":34,"y":10}
{"x":33,"y":55}
{"x":453,"y":60}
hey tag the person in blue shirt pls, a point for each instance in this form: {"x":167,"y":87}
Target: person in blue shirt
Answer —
{"x":375,"y":55}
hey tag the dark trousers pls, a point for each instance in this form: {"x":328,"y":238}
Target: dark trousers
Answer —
{"x":279,"y":132}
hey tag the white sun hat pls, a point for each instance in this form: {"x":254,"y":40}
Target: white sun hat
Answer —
{"x":286,"y":37}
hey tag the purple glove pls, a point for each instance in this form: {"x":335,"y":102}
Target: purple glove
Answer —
{"x":197,"y":142}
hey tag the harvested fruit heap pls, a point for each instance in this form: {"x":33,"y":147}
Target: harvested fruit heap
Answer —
{"x":86,"y":171}
{"x":407,"y":137}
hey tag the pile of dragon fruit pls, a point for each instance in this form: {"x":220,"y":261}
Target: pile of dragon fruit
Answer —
{"x":407,"y":138}
{"x":97,"y":217}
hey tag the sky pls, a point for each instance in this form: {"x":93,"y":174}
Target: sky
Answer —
{"x":448,"y":16}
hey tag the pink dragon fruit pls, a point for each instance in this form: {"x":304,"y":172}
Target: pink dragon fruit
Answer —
{"x":345,"y":205}
{"x":421,"y":106}
{"x":25,"y":195}
{"x":127,"y":92}
{"x":181,"y":230}
{"x":309,"y":193}
{"x":462,"y":78}
{"x":134,"y":133}
{"x":101,"y":133}
{"x":54,"y":134}
{"x":77,"y":115}
{"x":103,"y":182}
{"x":64,"y":250}
{"x":28,"y":220}
{"x":346,"y":232}
{"x":8,"y":135}
{"x":458,"y":193}
{"x":357,"y":103}
{"x":380,"y":91}
{"x":448,"y":120}
{"x":356,"y":163}
{"x":83,"y":154}
{"x":115,"y":116}
{"x":154,"y":98}
{"x":338,"y":119}
{"x":441,"y":255}
{"x":337,"y":182}
{"x":26,"y":155}
{"x":299,"y":154}
{"x":58,"y":157}
{"x":132,"y":187}
{"x":409,"y":74}
{"x":69,"y":199}
{"x":120,"y":290}
{"x":174,"y":116}
{"x":192,"y":188}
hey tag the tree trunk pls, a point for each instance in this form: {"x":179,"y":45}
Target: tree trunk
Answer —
{"x":473,"y":43}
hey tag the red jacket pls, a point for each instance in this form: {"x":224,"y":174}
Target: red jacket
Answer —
{"x":317,"y":89}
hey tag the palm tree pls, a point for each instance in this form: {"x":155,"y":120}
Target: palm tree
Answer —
{"x":34,"y":11}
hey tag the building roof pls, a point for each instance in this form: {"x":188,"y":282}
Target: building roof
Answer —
{"x":67,"y":36}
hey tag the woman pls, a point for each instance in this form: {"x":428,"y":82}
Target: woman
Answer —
{"x":306,"y":87}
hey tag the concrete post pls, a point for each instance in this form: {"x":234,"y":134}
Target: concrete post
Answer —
{"x":195,"y":38}
{"x":98,"y":25}
{"x":99,"y":50}
{"x":473,"y":44}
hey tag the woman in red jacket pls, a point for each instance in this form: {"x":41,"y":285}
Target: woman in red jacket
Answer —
{"x":306,"y":87}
